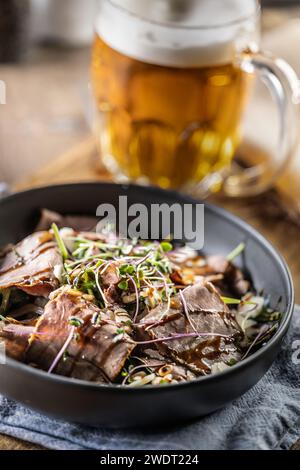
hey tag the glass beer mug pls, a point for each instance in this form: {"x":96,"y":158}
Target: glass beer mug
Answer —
{"x":171,"y":80}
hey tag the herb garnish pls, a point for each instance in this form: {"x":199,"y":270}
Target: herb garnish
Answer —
{"x":236,"y":252}
{"x":62,"y":248}
{"x":123,"y":285}
{"x":77,"y":322}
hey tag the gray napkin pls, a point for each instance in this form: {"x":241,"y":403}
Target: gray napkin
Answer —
{"x":266,"y":417}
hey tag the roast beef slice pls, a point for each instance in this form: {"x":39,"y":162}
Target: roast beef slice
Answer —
{"x":30,"y":264}
{"x":93,"y":345}
{"x":208,"y":314}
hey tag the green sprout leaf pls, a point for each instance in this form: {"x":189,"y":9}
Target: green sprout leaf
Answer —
{"x":236,"y":252}
{"x":231,"y":362}
{"x":62,"y":248}
{"x":230,"y":301}
{"x":126,"y":269}
{"x":74,"y":321}
{"x":166,"y":246}
{"x":123,"y":285}
{"x":120,"y":331}
{"x":96,"y":318}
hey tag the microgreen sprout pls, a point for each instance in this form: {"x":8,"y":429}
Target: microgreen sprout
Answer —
{"x":126,"y":269}
{"x":96,"y":318}
{"x":136,"y":299}
{"x":75,"y":321}
{"x":166,"y":246}
{"x":236,"y":252}
{"x":62,"y":248}
{"x":123,"y":285}
{"x":231,"y":362}
{"x":66,"y":356}
{"x":120,"y":332}
{"x":62,"y":351}
{"x":186,"y":311}
{"x":232,"y":301}
{"x":106,"y":303}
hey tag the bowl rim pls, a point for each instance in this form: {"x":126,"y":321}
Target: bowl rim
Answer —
{"x":220,"y":212}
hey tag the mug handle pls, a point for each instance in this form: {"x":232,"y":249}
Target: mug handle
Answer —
{"x":284,"y":86}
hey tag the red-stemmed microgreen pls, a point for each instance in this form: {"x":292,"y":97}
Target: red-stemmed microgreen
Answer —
{"x":62,"y":350}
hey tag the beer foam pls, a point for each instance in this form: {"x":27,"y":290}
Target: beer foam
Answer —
{"x":179,"y":33}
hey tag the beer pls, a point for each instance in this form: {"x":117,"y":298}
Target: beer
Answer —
{"x":169,"y":116}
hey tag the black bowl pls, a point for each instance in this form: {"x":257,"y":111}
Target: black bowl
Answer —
{"x":84,"y":402}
